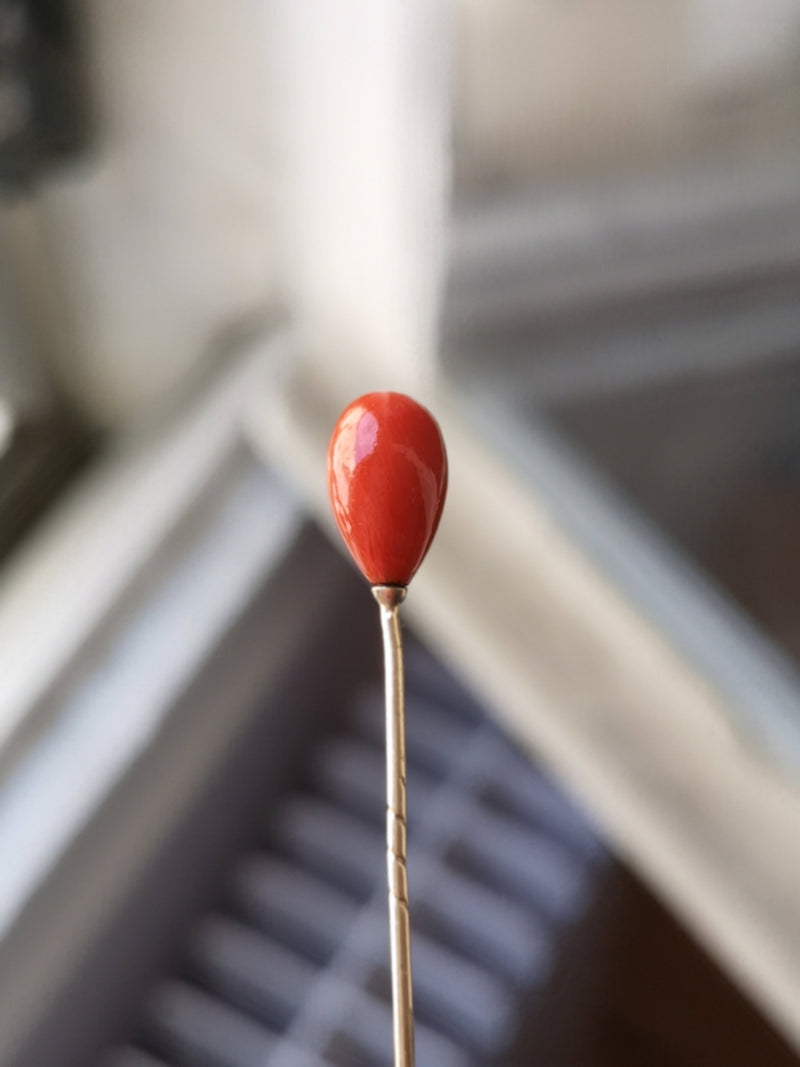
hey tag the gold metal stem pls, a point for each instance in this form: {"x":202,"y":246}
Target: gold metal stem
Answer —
{"x":389,"y":598}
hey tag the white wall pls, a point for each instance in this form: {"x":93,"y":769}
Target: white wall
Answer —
{"x":165,"y":235}
{"x":257,"y":151}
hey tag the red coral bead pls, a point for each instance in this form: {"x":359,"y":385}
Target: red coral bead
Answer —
{"x":387,"y":478}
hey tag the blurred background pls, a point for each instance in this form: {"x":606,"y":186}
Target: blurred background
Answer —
{"x":572,"y":228}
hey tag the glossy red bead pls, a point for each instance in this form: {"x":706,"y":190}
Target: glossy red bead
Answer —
{"x":387,"y":478}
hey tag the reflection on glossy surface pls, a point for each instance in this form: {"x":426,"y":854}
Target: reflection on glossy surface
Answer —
{"x":387,"y":477}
